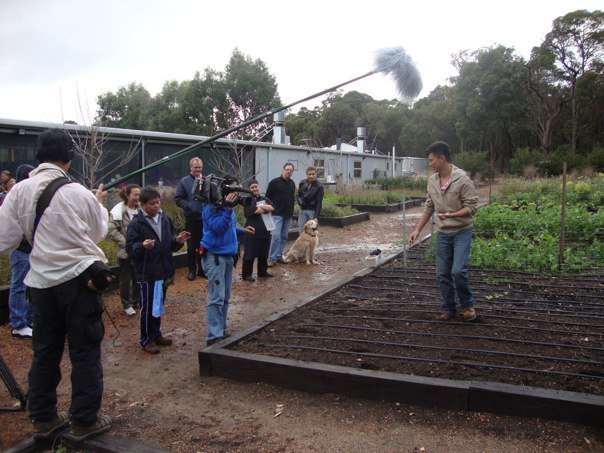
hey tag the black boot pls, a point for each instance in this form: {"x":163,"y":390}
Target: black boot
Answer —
{"x":246,"y":271}
{"x":263,"y":268}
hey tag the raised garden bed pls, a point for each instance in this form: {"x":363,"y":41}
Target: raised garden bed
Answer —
{"x":536,"y":348}
{"x":384,"y":207}
{"x":339,"y":222}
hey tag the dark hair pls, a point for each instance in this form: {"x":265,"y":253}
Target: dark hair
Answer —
{"x":147,"y":194}
{"x":288,"y":163}
{"x":124,"y":192}
{"x":311,"y":168}
{"x":439,"y":149}
{"x":7,"y":173}
{"x":253,"y":181}
{"x":55,"y":145}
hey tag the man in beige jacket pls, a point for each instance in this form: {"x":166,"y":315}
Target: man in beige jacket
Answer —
{"x":451,"y":194}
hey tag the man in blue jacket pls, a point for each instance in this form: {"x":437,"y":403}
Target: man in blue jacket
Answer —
{"x":220,"y":250}
{"x":192,"y":210}
{"x":150,"y":241}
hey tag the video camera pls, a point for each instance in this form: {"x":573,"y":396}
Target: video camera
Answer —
{"x":212,"y":189}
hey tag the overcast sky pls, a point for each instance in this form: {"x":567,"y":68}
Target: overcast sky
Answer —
{"x":51,"y":50}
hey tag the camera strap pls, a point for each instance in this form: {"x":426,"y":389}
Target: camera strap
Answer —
{"x":44,"y":200}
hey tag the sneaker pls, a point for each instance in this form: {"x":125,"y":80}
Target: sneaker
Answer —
{"x":163,"y":341}
{"x":191,"y":276}
{"x":267,"y":275}
{"x":469,"y":314}
{"x":130,"y":311}
{"x":248,"y":278}
{"x":281,"y":261}
{"x":445,"y":316}
{"x":81,"y":433}
{"x":151,"y":348}
{"x":52,"y":428}
{"x":23,"y":332}
{"x":270,"y":263}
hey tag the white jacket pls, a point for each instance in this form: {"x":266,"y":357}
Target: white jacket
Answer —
{"x":66,"y":238}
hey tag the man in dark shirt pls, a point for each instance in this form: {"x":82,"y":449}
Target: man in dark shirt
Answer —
{"x":192,"y":210}
{"x":281,"y":192}
{"x":310,"y":198}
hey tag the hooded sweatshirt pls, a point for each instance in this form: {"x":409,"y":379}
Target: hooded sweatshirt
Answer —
{"x":460,"y":193}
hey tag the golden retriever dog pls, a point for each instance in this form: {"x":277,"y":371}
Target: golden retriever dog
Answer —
{"x":304,"y":247}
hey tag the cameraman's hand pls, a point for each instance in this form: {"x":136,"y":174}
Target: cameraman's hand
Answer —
{"x":249,"y":229}
{"x":231,"y":200}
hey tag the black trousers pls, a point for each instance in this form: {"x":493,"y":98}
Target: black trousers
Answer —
{"x":195,"y":227}
{"x":69,"y":310}
{"x":255,"y":248}
{"x":128,"y":291}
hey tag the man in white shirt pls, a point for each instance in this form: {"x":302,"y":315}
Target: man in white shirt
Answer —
{"x":64,"y":247}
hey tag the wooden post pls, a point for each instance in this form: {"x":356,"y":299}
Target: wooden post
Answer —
{"x":405,"y":245}
{"x":562,"y":218}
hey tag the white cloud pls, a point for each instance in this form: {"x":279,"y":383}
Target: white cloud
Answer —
{"x":51,"y":50}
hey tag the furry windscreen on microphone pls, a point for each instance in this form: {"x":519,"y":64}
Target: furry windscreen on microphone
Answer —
{"x":398,"y":63}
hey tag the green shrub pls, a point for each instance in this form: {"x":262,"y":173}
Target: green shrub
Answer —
{"x":331,"y":210}
{"x":400,"y":183}
{"x":595,"y":158}
{"x":524,"y":158}
{"x":475,"y":163}
{"x":552,"y":164}
{"x":168,"y":205}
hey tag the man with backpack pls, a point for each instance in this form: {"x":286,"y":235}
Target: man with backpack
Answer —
{"x":61,"y":284}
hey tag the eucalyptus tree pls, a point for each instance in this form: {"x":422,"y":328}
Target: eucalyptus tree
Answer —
{"x":302,"y":127}
{"x":129,"y":108}
{"x":490,"y":98}
{"x":250,"y":91}
{"x":434,"y":117}
{"x":575,"y":46}
{"x":204,"y":103}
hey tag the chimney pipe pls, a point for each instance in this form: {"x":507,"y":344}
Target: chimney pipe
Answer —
{"x":279,"y":128}
{"x":361,"y":139}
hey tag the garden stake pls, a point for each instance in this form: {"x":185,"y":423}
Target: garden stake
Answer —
{"x":394,"y":61}
{"x":562,"y":218}
{"x":405,"y":245}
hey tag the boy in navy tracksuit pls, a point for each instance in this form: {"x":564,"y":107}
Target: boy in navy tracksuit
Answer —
{"x":150,"y":241}
{"x":220,"y":247}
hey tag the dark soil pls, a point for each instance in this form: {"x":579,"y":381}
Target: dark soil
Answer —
{"x":531,"y":330}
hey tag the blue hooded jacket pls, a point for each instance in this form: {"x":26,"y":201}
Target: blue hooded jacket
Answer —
{"x":220,"y":230}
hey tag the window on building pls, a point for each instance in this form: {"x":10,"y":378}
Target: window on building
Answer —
{"x":357,"y":169}
{"x":320,"y":167}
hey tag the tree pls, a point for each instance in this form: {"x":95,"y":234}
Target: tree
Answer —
{"x":490,"y":95}
{"x":250,"y":91}
{"x":129,"y":108}
{"x":205,"y":103}
{"x":576,"y":44}
{"x":98,"y":160}
{"x":545,"y":102}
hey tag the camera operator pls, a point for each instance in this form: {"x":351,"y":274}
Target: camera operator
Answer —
{"x":220,"y":249}
{"x":63,"y":304}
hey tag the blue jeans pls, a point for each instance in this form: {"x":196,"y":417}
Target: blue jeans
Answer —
{"x":452,"y":255}
{"x":305,"y":216}
{"x":219,"y":270}
{"x":21,"y":311}
{"x":279,"y":238}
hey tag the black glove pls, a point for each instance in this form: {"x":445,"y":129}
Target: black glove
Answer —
{"x":98,"y":277}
